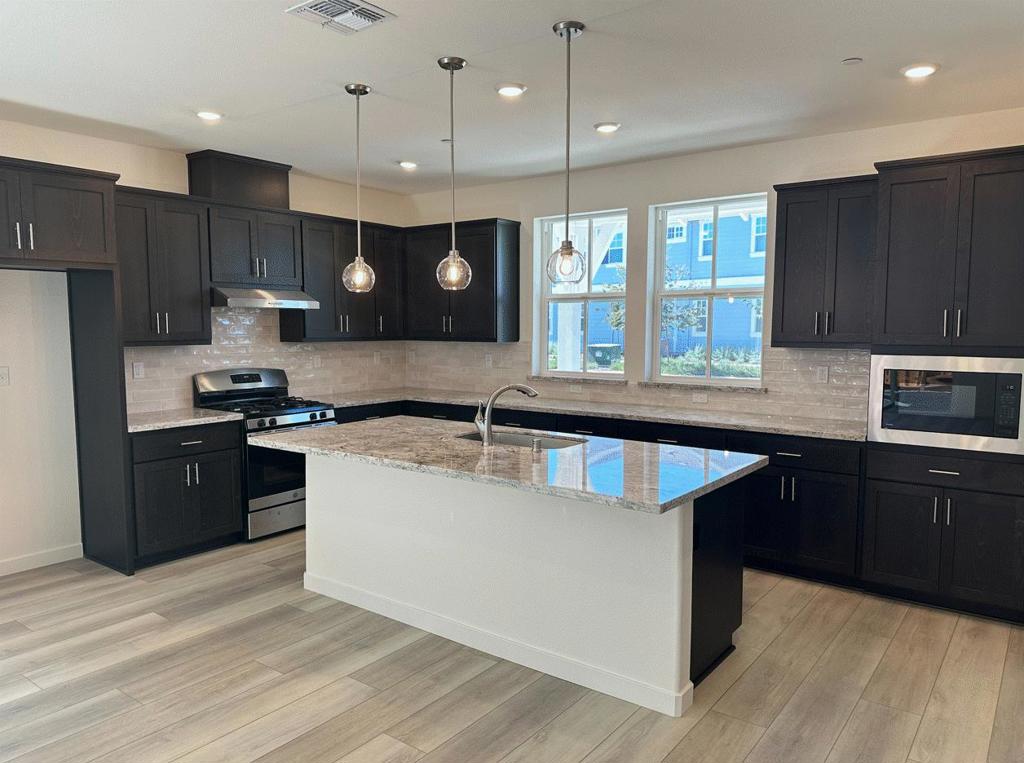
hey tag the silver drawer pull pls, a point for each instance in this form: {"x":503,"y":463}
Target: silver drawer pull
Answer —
{"x":669,"y":442}
{"x":31,"y":237}
{"x":790,"y":455}
{"x":935,"y":510}
{"x":510,"y":424}
{"x":17,"y":232}
{"x":944,"y":471}
{"x":197,"y":472}
{"x":782,"y":488}
{"x":438,"y":416}
{"x":188,"y":475}
{"x":949,"y":503}
{"x":192,"y":442}
{"x":371,"y":418}
{"x":582,"y":431}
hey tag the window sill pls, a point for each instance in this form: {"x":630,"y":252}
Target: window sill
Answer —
{"x":579,"y":380}
{"x":756,"y":389}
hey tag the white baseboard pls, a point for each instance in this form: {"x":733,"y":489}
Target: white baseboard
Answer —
{"x":560,"y":666}
{"x":40,"y":559}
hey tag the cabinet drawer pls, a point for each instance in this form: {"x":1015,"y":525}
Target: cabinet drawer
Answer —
{"x":673,"y":434}
{"x":946,"y":471}
{"x":589,"y":425}
{"x":802,"y":452}
{"x":524,"y":419}
{"x":444,"y":411}
{"x":364,"y":412}
{"x":185,"y":441}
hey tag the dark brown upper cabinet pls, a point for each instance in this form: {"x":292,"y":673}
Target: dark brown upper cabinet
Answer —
{"x":343,"y":315}
{"x":488,"y":309}
{"x":54,"y":214}
{"x":252,"y":248}
{"x":951,"y":252}
{"x":824,"y":250}
{"x":163,"y":251}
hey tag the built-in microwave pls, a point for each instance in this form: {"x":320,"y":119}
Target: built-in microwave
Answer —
{"x":943,"y":402}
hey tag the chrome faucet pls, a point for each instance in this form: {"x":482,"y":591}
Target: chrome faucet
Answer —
{"x":484,"y":410}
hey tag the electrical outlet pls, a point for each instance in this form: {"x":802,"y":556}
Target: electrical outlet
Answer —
{"x":5,"y":376}
{"x":821,"y":374}
{"x":699,"y":397}
{"x":318,"y":362}
{"x":577,"y":388}
{"x":376,"y":358}
{"x":138,"y":370}
{"x":488,"y":361}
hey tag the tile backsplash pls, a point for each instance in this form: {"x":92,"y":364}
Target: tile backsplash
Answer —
{"x":824,"y":384}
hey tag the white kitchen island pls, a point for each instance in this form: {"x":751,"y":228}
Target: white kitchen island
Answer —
{"x":578,"y":562}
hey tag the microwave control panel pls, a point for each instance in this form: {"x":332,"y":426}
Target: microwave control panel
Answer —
{"x":1007,"y":418}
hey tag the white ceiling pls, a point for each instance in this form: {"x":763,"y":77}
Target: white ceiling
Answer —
{"x":681,"y":75}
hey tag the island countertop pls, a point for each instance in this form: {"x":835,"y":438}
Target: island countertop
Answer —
{"x":640,"y":476}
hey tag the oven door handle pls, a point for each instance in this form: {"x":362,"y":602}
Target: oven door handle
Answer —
{"x":299,"y":426}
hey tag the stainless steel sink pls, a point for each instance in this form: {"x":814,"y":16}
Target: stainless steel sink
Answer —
{"x":526,"y":440}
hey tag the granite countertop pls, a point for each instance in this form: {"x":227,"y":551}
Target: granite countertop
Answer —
{"x":772,"y":424}
{"x":640,"y":476}
{"x":178,"y":417}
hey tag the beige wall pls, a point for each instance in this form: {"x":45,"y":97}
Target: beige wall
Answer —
{"x":38,"y":456}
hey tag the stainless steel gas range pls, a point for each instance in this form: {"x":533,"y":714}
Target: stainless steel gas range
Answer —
{"x":275,"y":480}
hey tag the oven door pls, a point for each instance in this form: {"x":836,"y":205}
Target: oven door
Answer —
{"x":967,"y":403}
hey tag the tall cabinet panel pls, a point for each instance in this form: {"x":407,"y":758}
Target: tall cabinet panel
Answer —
{"x":473,"y":315}
{"x":849,"y":262}
{"x":12,"y":237}
{"x":426,"y":303}
{"x":321,"y":241}
{"x":800,"y":239}
{"x":137,"y":255}
{"x":388,"y":291}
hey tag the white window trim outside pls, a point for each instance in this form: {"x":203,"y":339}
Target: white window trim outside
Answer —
{"x":701,"y":257}
{"x":543,"y":289}
{"x":754,"y":252}
{"x":657,"y":293}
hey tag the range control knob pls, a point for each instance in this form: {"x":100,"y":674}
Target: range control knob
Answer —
{"x":323,"y":414}
{"x":272,"y":422}
{"x":261,"y":423}
{"x":312,"y":417}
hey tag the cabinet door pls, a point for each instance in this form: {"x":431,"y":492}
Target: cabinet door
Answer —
{"x":163,"y":510}
{"x":849,"y":263}
{"x":233,"y":248}
{"x":357,"y":310}
{"x":902,"y":535}
{"x":473,"y":316}
{"x":825,"y":520}
{"x":217,"y":480}
{"x":68,"y":218}
{"x":183,"y":244}
{"x":768,"y":515}
{"x":917,"y":210}
{"x":13,"y":234}
{"x":280,"y":248}
{"x":801,"y":229}
{"x":990,"y":254}
{"x":137,"y":257}
{"x":322,"y":280}
{"x":388,"y":264}
{"x":982,"y":548}
{"x":427,"y":305}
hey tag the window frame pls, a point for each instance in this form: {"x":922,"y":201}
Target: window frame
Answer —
{"x":546,"y":297}
{"x":657,"y":293}
{"x":754,"y":251}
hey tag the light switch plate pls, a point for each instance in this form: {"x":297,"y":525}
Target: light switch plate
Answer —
{"x":138,"y":370}
{"x":699,"y":397}
{"x":5,"y":376}
{"x":821,"y":374}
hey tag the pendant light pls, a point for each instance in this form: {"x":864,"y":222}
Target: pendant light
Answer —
{"x":567,"y":264}
{"x":453,"y":272}
{"x":358,"y":275}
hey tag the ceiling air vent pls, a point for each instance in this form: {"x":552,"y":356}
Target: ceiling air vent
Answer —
{"x":345,"y":16}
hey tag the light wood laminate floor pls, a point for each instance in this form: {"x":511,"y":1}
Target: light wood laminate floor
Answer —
{"x":224,"y":657}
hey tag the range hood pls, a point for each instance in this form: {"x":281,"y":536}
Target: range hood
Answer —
{"x":283,"y":299}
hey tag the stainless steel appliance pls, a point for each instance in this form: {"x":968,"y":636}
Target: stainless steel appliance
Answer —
{"x":944,"y":402}
{"x":275,"y":480}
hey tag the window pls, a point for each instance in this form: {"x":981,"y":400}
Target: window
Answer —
{"x":675,"y":233}
{"x":583,"y":325}
{"x":707,"y":321}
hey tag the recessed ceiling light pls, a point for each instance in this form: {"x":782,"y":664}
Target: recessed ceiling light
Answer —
{"x":852,"y":61}
{"x":919,"y":71}
{"x":511,"y":90}
{"x":407,"y":165}
{"x":607,"y":127}
{"x":208,"y":116}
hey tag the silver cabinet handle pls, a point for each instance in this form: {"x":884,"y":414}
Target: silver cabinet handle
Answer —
{"x":782,"y":488}
{"x":817,"y":317}
{"x":959,"y":314}
{"x":510,"y":424}
{"x":380,"y":323}
{"x":827,"y":314}
{"x":792,"y":488}
{"x":935,"y":510}
{"x":191,"y":442}
{"x":583,"y":431}
{"x":167,"y":323}
{"x":31,"y":237}
{"x":341,"y":324}
{"x":188,"y":475}
{"x":256,"y":263}
{"x":949,"y":503}
{"x":451,"y":323}
{"x":944,"y":471}
{"x":791,"y":455}
{"x":17,"y":233}
{"x":668,"y":442}
{"x":438,"y":416}
{"x":348,"y":325}
{"x":444,"y":324}
{"x":265,"y":267}
{"x":945,"y":323}
{"x":158,"y":323}
{"x":197,"y":472}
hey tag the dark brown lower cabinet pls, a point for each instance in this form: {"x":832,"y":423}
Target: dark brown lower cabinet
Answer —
{"x":186,"y":501}
{"x":964,"y":545}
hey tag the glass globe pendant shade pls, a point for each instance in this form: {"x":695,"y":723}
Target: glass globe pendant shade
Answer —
{"x":358,"y":275}
{"x":453,"y":272}
{"x":566,"y":264}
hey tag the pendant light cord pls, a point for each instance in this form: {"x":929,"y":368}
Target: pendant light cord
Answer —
{"x":451,"y":142}
{"x":568,"y":90}
{"x":359,"y":188}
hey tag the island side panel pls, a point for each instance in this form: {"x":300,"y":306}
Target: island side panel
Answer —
{"x":590,"y":593}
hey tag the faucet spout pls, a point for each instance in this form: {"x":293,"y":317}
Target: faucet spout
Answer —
{"x":484,"y":411}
